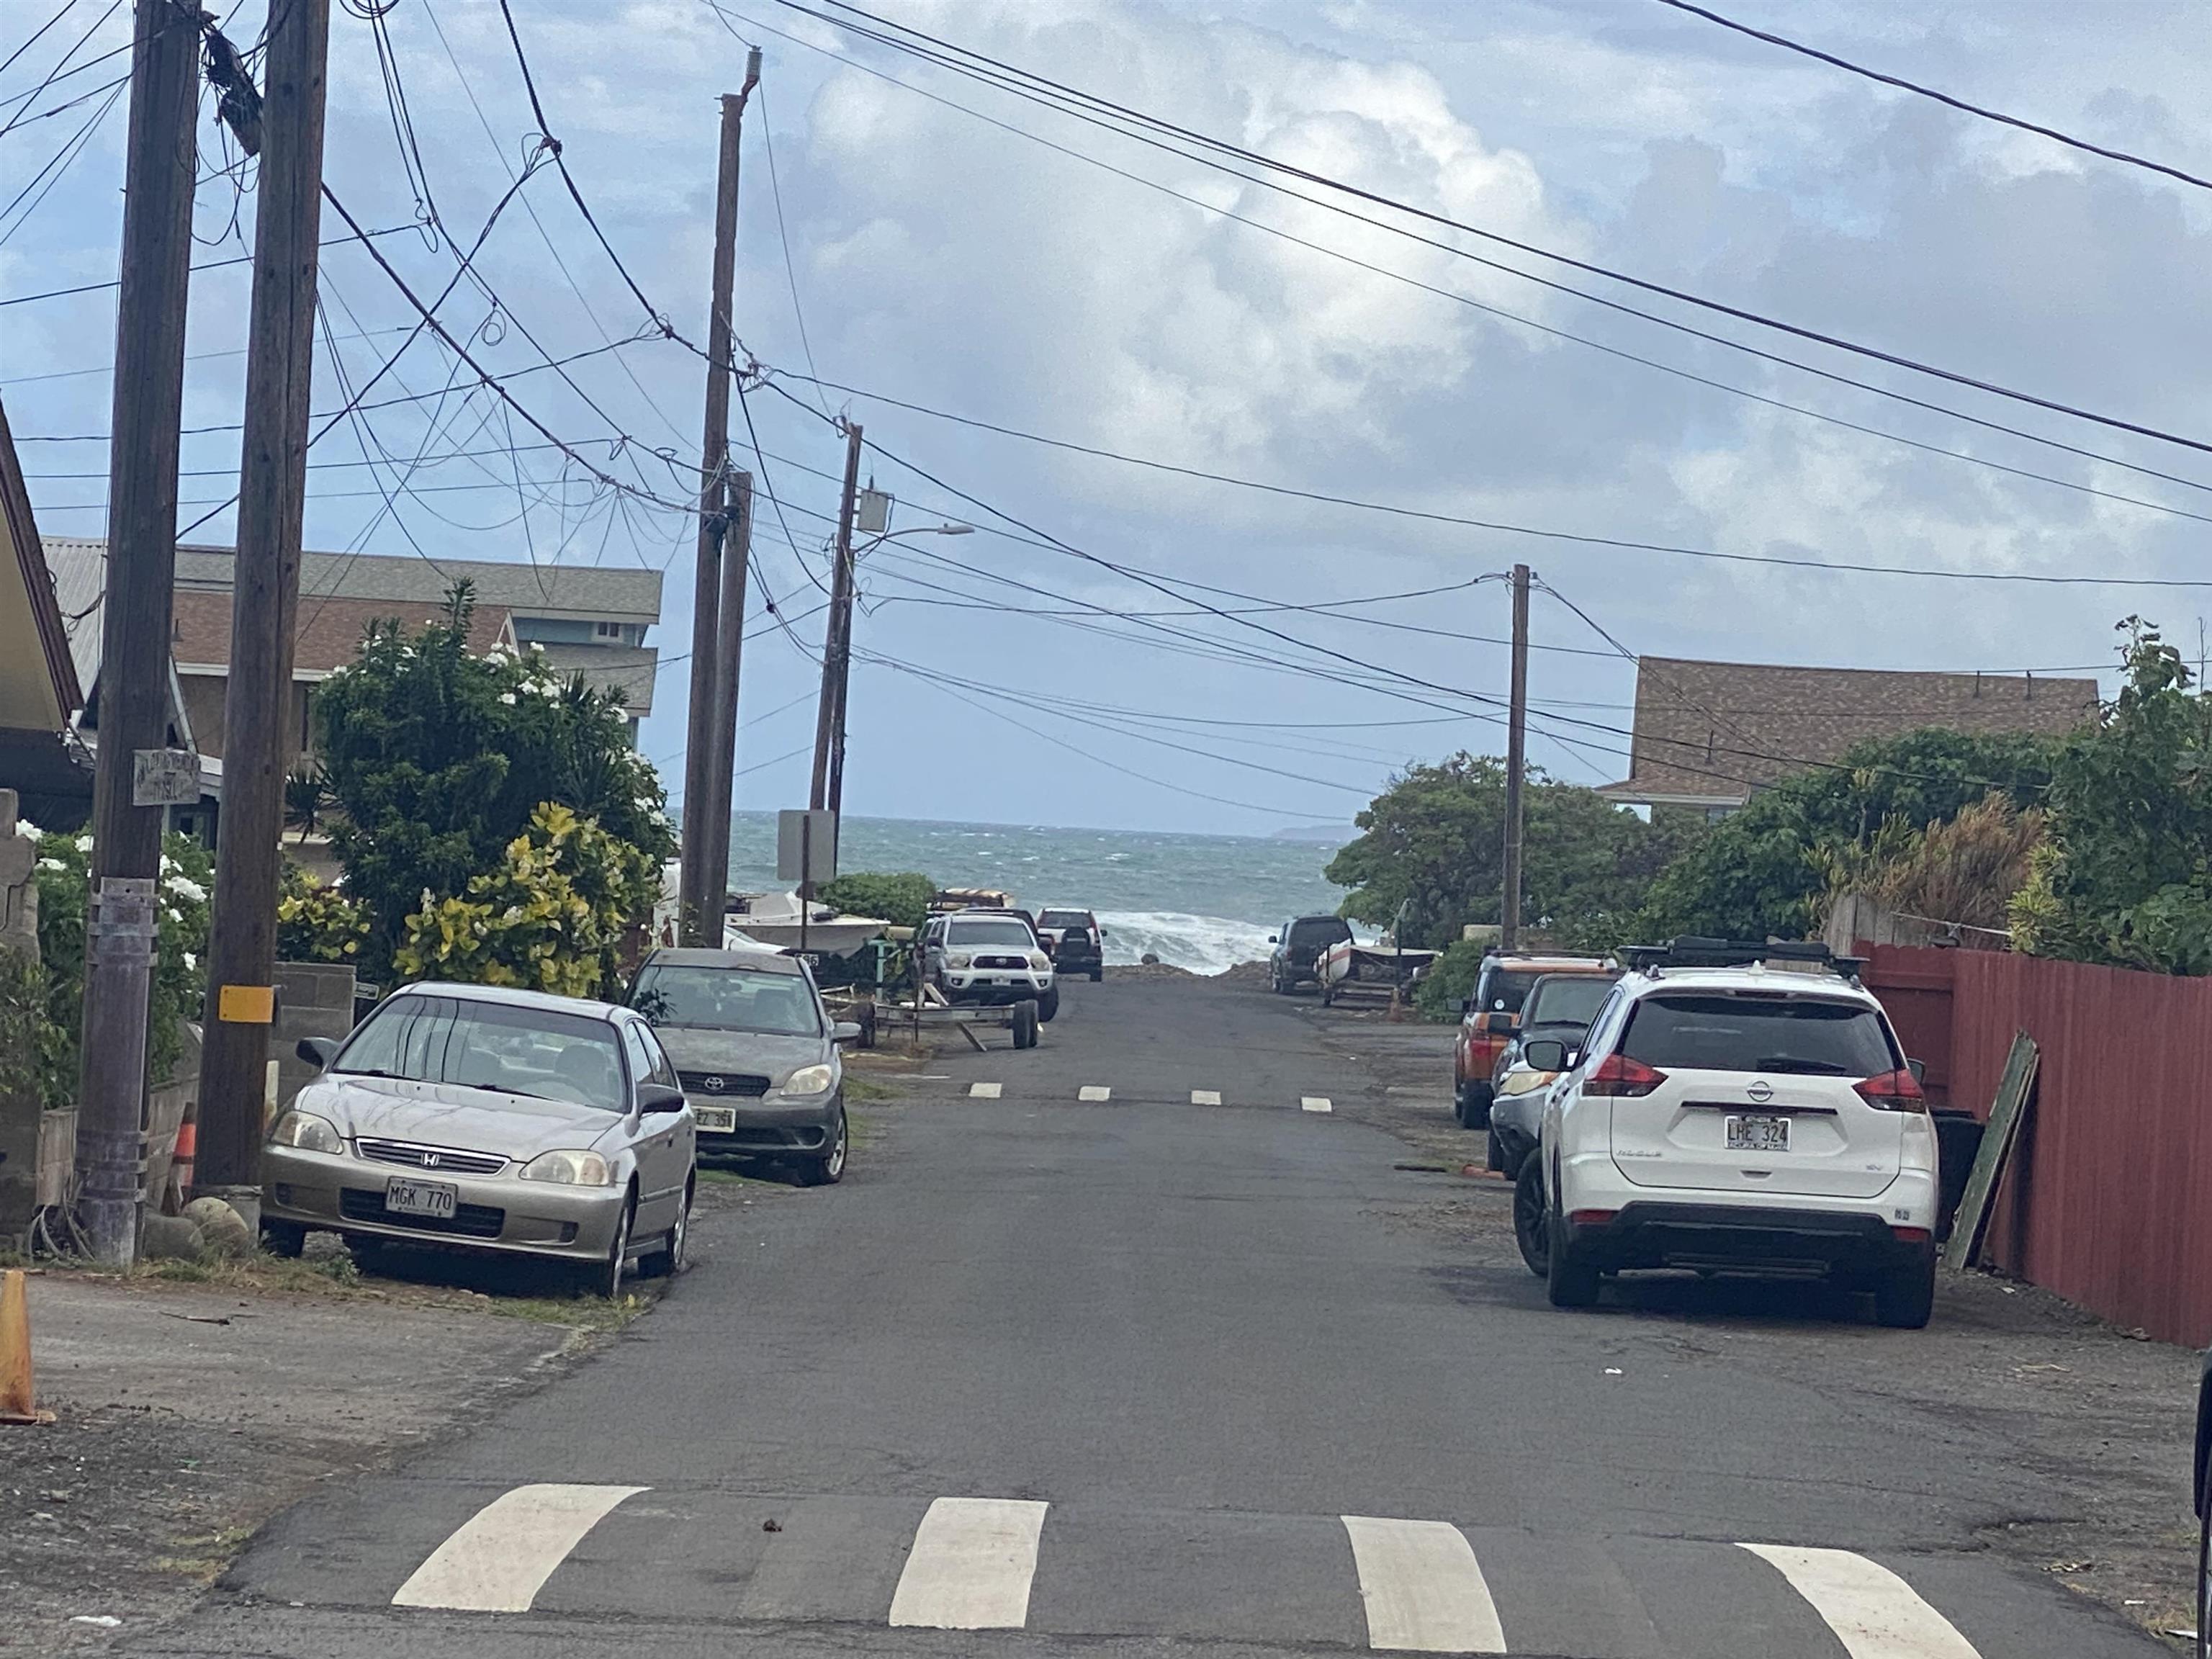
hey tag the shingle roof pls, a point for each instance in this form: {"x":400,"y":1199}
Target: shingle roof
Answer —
{"x":1710,"y":733}
{"x":542,"y":590}
{"x":329,"y":630}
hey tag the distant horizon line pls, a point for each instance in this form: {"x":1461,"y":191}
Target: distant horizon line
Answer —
{"x":1350,"y":830}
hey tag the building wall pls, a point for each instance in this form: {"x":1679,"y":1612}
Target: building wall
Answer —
{"x":204,"y":700}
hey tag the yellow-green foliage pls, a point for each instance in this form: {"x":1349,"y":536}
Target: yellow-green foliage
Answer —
{"x":550,"y":918}
{"x":316,"y":923}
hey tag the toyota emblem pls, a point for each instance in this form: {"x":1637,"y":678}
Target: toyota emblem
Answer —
{"x":714,"y":1086}
{"x":1761,"y":1091}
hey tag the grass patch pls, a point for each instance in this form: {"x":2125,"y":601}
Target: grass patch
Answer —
{"x":867,"y":1090}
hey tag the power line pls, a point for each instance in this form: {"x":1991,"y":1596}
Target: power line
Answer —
{"x":1218,"y":211}
{"x":1428,"y":515}
{"x":212,"y":264}
{"x":1944,"y":97}
{"x":1839,"y":343}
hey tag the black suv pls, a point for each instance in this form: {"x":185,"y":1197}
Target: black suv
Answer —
{"x":1298,"y":949}
{"x":1074,"y":940}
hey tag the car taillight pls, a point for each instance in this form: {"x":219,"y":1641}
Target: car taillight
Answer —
{"x":1892,"y":1091}
{"x":1619,"y":1076}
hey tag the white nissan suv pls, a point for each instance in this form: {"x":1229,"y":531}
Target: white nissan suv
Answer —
{"x":1741,"y":1108}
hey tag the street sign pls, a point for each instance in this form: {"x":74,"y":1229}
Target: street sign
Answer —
{"x":165,"y":777}
{"x":806,"y":846}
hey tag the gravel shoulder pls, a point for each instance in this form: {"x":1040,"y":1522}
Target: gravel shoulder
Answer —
{"x":2099,"y":1422}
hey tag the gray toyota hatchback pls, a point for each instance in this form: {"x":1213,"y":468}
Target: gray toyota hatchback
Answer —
{"x":755,"y":1052}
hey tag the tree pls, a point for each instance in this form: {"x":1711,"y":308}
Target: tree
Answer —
{"x":902,"y":899}
{"x":2126,"y":874}
{"x":1761,"y":871}
{"x":437,"y":760}
{"x":1434,"y":841}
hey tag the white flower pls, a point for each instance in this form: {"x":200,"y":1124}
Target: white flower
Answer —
{"x":84,"y":843}
{"x":174,"y":914}
{"x":25,"y":827}
{"x":508,"y":697}
{"x":167,"y":864}
{"x":192,"y":963}
{"x":52,"y":864}
{"x":185,"y":887}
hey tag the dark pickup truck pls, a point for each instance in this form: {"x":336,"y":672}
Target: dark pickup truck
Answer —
{"x":1298,"y":949}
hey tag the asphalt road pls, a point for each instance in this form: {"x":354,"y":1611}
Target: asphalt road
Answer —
{"x":1139,"y":1375}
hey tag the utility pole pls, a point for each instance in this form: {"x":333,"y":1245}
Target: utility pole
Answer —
{"x":258,"y":713}
{"x":705,"y":878}
{"x":134,"y":670}
{"x":729,"y":658}
{"x":1516,"y":756}
{"x":837,"y":645}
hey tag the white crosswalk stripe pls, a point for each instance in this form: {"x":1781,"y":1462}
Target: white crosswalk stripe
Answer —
{"x":1206,"y":1097}
{"x":984,"y":1090}
{"x":1314,"y":1104}
{"x":1094,"y":1092}
{"x":501,"y":1557}
{"x":1875,"y":1613}
{"x":971,"y":1564}
{"x":1423,"y":1590}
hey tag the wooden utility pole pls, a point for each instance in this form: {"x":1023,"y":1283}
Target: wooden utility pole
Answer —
{"x":1517,"y":760}
{"x":135,"y":663}
{"x":729,"y":660}
{"x":261,"y":734}
{"x":837,"y":644}
{"x":706,"y":870}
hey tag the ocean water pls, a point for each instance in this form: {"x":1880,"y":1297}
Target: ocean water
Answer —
{"x":1204,"y":903}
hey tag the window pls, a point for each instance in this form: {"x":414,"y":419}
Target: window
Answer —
{"x":1064,"y":919}
{"x":966,"y":934}
{"x":1314,"y":931}
{"x":481,"y":1044}
{"x":1572,"y":1000}
{"x":614,"y":631}
{"x":1503,"y":991}
{"x":728,"y":999}
{"x":1809,"y":1036}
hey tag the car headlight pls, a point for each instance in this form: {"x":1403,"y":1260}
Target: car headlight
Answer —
{"x":1039,"y":960}
{"x":1520,"y":1082}
{"x":810,"y":1080}
{"x":307,"y":1132}
{"x":570,"y":1169}
{"x":958,"y":959}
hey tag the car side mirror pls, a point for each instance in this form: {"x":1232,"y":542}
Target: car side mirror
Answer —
{"x":1102,"y":934}
{"x":1274,"y":938}
{"x":845,"y":1031}
{"x":659,"y":1100}
{"x":318,"y":1051}
{"x":1918,"y":1068}
{"x":1545,"y":1055}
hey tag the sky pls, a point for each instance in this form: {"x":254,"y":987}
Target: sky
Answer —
{"x":1123,"y":645}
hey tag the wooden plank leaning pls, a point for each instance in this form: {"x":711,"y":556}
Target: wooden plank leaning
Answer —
{"x":2015,"y":1089}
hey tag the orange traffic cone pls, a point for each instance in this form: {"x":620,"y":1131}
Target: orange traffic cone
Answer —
{"x":15,"y":1400}
{"x":180,"y":1163}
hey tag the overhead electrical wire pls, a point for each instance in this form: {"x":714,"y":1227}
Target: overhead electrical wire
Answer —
{"x":902,"y":37}
{"x":1943,"y":98}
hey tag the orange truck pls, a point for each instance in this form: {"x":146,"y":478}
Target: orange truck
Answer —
{"x":1489,"y":1019}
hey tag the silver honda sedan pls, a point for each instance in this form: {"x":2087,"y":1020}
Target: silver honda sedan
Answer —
{"x":490,"y":1120}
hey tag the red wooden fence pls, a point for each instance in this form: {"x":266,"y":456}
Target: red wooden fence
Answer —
{"x":2109,"y":1200}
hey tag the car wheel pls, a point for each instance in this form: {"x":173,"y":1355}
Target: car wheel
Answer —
{"x":1025,"y":1025}
{"x":1905,"y":1297}
{"x":606,"y":1279}
{"x":668,"y":1260}
{"x":1097,"y":974}
{"x":1048,"y":1004}
{"x":1570,"y":1283}
{"x":286,"y":1238}
{"x":1474,"y":1104}
{"x":1496,"y":1151}
{"x":1531,"y":1223}
{"x":828,"y":1168}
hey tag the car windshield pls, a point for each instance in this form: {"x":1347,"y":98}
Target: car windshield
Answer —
{"x":1566,"y":1000}
{"x":727,"y":1000}
{"x":1064,"y":919}
{"x":482,"y":1044}
{"x":995,"y":930}
{"x":1810,"y":1035}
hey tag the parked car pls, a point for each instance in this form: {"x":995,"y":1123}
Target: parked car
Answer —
{"x":755,"y":1052}
{"x":490,"y":1120}
{"x":1074,"y":941}
{"x":2203,"y":1485}
{"x":1489,"y":1019}
{"x":989,"y":957}
{"x":1295,"y":959}
{"x":1739,"y":1107}
{"x":1559,"y":1007}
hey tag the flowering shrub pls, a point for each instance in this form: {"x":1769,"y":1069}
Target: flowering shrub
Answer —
{"x":181,"y":931}
{"x":550,"y":918}
{"x":318,"y":923}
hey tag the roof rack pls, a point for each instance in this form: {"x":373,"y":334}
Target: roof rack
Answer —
{"x":1691,"y":951}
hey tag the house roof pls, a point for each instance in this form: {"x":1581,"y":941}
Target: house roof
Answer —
{"x":529,"y":590}
{"x":38,"y":686}
{"x":328,"y":633}
{"x":1708,"y":733}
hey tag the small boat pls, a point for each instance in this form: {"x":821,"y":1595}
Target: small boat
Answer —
{"x":1375,"y":972}
{"x":774,"y":920}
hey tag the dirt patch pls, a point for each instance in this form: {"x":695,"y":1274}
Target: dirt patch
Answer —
{"x":2098,"y":1425}
{"x":1149,"y":970}
{"x":194,"y":1402}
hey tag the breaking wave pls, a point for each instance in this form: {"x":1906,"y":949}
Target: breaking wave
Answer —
{"x":1204,"y":945}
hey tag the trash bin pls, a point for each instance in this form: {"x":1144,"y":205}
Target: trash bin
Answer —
{"x":1957,"y":1137}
